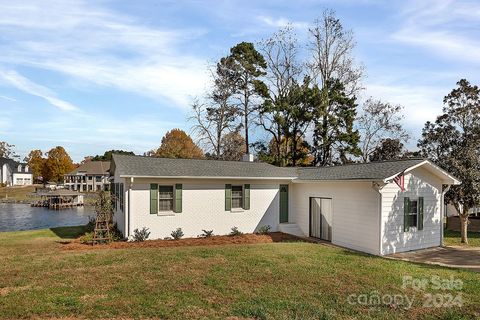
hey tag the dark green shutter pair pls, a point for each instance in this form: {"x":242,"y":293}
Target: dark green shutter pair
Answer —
{"x":407,"y":217}
{"x":177,"y":204}
{"x":245,"y":194}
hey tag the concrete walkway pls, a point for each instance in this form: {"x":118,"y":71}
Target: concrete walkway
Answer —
{"x":454,"y":256}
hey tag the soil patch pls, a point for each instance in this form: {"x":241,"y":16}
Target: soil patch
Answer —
{"x":211,"y":241}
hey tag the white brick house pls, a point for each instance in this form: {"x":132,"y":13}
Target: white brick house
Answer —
{"x":356,"y":206}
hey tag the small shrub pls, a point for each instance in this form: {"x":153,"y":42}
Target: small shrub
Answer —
{"x":206,"y":233}
{"x":87,"y":238}
{"x":264,"y":229}
{"x":177,"y":234}
{"x":235,"y":232}
{"x":141,"y":235}
{"x":167,"y":238}
{"x":115,"y":234}
{"x":90,"y":226}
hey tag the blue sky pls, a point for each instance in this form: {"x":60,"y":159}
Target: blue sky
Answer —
{"x":99,"y":75}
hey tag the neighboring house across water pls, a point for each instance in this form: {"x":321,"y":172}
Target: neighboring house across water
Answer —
{"x":91,"y":176}
{"x":357,"y":206}
{"x":13,"y":173}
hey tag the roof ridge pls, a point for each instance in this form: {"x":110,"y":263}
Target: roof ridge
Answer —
{"x":362,"y":163}
{"x":210,"y":160}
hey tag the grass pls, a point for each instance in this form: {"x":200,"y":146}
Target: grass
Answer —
{"x":294,"y":280}
{"x":18,"y":193}
{"x":452,"y":238}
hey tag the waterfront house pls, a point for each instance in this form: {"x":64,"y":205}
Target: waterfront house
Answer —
{"x":378,"y":208}
{"x":13,"y":173}
{"x":90,"y":176}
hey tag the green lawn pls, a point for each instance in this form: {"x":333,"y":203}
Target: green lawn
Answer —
{"x":23,"y":193}
{"x":290,"y":280}
{"x":452,"y":238}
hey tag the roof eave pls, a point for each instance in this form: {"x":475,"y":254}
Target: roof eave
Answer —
{"x":204,"y":177}
{"x":445,"y":176}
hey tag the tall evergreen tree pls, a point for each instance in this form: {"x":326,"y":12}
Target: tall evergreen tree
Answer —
{"x":334,"y":137}
{"x":248,"y":66}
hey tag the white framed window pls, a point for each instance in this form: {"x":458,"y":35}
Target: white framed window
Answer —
{"x":165,"y":198}
{"x":413,"y":214}
{"x":237,"y":197}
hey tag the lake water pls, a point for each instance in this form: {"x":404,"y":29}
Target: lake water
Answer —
{"x":15,"y":217}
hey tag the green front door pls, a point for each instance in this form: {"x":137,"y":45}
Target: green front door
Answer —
{"x":283,"y":203}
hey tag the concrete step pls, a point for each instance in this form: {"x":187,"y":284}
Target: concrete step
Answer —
{"x":291,"y":228}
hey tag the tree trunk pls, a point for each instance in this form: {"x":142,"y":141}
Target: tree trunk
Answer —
{"x":464,"y":226}
{"x":247,"y":151}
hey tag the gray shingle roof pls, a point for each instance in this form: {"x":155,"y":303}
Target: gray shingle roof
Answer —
{"x":127,"y":165}
{"x":92,"y":167}
{"x":361,"y":171}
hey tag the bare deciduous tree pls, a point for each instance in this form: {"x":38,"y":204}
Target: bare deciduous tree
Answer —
{"x":216,"y":116}
{"x":283,"y":71}
{"x":332,"y":54}
{"x":378,"y":121}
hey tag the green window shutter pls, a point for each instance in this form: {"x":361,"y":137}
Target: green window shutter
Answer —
{"x":246,"y":197}
{"x":283,"y":203}
{"x":228,"y":197}
{"x":406,"y":215}
{"x":178,"y":198}
{"x":420,"y":213}
{"x":153,"y":198}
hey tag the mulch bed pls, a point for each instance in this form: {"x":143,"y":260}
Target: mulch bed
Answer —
{"x":211,"y":241}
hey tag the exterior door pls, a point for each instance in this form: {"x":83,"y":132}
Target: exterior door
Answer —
{"x":283,"y":203}
{"x":321,"y":218}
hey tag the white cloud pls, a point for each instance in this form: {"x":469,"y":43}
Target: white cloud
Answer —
{"x":442,"y":27}
{"x":21,"y":83}
{"x":281,"y":22}
{"x":8,"y":98}
{"x":422,"y":103}
{"x":94,"y":46}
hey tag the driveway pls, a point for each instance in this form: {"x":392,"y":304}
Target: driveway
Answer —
{"x":454,"y":256}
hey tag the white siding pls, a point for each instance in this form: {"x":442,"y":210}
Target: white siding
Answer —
{"x":203,"y":203}
{"x":418,"y":183}
{"x":355,"y":212}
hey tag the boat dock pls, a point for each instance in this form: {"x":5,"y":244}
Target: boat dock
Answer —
{"x":59,"y":199}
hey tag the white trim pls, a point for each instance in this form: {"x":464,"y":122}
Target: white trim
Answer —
{"x":207,"y":177}
{"x":455,"y":181}
{"x":296,"y":180}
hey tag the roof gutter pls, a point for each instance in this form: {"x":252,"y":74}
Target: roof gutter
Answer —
{"x":206,"y":177}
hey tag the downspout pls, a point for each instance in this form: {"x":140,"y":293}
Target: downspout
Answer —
{"x":378,"y":187}
{"x":442,"y":213}
{"x":128,"y":207}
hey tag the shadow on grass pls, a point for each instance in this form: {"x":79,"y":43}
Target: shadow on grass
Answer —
{"x":455,"y":235}
{"x":69,"y":232}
